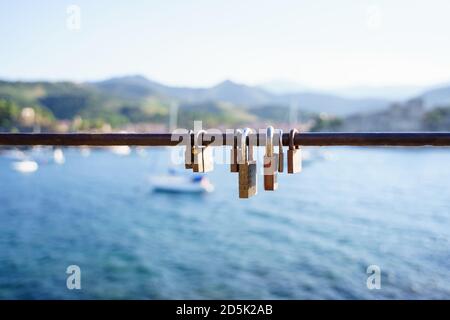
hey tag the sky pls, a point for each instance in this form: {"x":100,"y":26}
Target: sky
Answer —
{"x":317,"y":43}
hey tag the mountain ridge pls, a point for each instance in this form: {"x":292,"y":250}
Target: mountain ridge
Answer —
{"x":243,"y":95}
{"x":119,"y":101}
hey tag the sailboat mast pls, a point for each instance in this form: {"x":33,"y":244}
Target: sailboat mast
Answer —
{"x":293,"y":114}
{"x":173,"y":116}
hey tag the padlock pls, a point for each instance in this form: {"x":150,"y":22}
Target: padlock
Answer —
{"x":280,"y":151}
{"x":294,"y":160}
{"x":270,"y":163}
{"x":203,"y":156}
{"x":189,"y":152}
{"x":234,"y":166}
{"x":208,"y":157}
{"x":248,"y":184}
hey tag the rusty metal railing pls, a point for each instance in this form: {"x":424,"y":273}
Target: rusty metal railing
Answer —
{"x":166,"y":139}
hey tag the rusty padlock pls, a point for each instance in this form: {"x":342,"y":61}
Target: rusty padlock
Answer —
{"x":248,"y":184}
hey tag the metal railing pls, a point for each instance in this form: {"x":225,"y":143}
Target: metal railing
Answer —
{"x":166,"y":139}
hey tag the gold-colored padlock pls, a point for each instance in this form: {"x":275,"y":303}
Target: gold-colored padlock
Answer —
{"x":234,"y":165}
{"x":270,"y":163}
{"x":294,"y":159}
{"x":189,"y":152}
{"x":248,"y":184}
{"x":203,"y":156}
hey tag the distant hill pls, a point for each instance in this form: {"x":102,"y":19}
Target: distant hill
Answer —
{"x":429,"y":111}
{"x":241,"y":95}
{"x":65,"y":100}
{"x":226,"y":91}
{"x":130,"y":87}
{"x":116,"y":102}
{"x":136,"y":99}
{"x":408,"y":116}
{"x":399,"y":117}
{"x":436,"y":97}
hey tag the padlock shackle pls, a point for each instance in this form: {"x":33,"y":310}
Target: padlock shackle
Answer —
{"x":243,"y":142}
{"x":197,"y":136}
{"x":191,"y":141}
{"x":280,"y":141}
{"x":250,"y":146}
{"x":237,"y":132}
{"x":241,"y":137}
{"x":269,"y":141}
{"x":291,"y":138}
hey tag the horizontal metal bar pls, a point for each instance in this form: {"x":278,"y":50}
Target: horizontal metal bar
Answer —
{"x":165,"y":139}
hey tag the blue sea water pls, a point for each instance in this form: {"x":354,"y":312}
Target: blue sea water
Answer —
{"x":311,"y":239}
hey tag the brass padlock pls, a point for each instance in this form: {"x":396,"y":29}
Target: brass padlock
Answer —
{"x":294,"y":160}
{"x":208,"y":157}
{"x":280,"y":151}
{"x":234,"y":166}
{"x":248,"y":184}
{"x":203,"y":156}
{"x":270,"y":163}
{"x":189,"y":152}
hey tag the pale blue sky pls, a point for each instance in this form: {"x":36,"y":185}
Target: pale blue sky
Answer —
{"x":321,"y":43}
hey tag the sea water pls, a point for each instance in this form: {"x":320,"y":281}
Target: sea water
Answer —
{"x":313,"y":238}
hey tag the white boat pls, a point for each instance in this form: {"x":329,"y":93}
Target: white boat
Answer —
{"x":180,"y":181}
{"x":120,"y":150}
{"x":25,"y":166}
{"x":177,"y":183}
{"x":58,"y":156}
